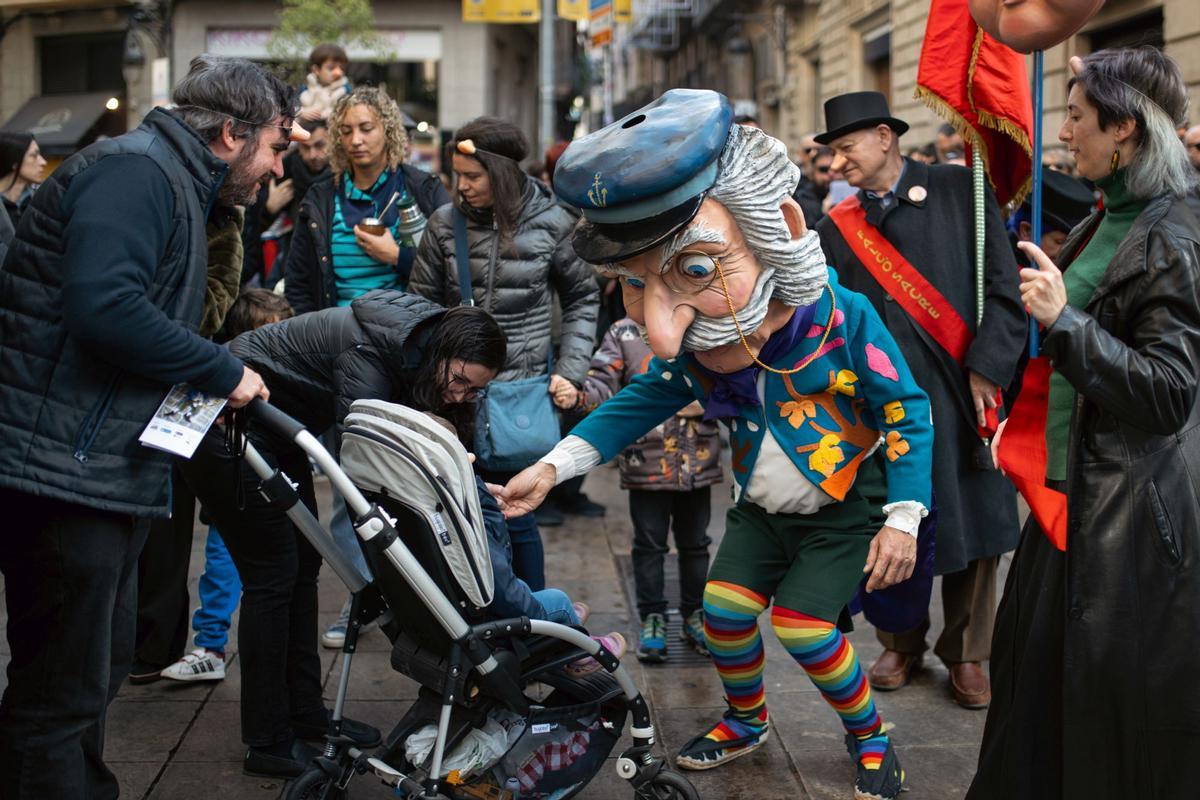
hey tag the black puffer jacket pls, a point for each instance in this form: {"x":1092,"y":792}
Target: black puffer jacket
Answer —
{"x":309,"y":279}
{"x":1132,"y":606}
{"x":514,"y":282}
{"x":101,"y":295}
{"x":317,"y":364}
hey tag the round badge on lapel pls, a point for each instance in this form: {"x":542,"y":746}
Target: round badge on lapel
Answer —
{"x":917,"y":194}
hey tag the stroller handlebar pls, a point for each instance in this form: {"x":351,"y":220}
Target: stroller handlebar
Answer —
{"x":274,"y":419}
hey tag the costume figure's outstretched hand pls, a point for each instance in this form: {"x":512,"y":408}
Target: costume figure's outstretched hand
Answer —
{"x":527,"y":490}
{"x":891,"y":559}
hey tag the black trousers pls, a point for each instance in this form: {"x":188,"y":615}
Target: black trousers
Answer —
{"x":654,"y":514}
{"x":70,"y":590}
{"x":277,"y":629}
{"x":162,"y":612}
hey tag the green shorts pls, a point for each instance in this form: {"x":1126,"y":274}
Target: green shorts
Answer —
{"x":811,"y":563}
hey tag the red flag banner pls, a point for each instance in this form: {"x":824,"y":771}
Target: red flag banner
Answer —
{"x":1022,"y":453}
{"x":979,"y":86}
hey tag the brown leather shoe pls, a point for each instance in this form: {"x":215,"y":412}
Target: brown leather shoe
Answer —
{"x":970,"y":686}
{"x":892,"y":670}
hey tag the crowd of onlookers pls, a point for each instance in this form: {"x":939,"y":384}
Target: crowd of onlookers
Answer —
{"x":329,"y":263}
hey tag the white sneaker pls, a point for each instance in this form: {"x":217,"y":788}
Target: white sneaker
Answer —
{"x":198,"y":665}
{"x":334,"y":636}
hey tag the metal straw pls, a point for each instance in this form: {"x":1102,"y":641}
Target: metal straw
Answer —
{"x":388,"y":207}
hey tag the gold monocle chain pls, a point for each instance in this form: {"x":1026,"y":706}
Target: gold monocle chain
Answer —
{"x":808,"y":360}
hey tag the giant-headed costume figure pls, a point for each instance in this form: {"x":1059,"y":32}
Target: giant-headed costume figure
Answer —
{"x":695,"y":216}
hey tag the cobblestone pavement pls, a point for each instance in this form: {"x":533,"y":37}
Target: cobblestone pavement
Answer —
{"x":181,"y":741}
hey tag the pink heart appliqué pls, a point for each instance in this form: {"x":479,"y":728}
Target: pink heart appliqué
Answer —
{"x":880,"y":363}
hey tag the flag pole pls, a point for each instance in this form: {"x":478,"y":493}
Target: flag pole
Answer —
{"x":1037,"y":182}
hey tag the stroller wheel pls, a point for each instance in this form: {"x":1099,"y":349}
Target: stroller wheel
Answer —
{"x":315,"y":784}
{"x":668,"y":785}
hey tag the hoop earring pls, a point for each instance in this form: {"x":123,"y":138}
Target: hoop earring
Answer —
{"x":1116,"y":162}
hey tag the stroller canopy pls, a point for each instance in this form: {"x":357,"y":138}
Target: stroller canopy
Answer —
{"x":393,"y":450}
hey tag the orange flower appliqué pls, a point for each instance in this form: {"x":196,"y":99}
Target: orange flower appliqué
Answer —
{"x":897,"y":445}
{"x":797,"y":411}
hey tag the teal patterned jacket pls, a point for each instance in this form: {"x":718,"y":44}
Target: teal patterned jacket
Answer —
{"x":856,"y":393}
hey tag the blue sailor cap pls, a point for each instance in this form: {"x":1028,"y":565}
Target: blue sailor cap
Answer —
{"x":641,"y":179}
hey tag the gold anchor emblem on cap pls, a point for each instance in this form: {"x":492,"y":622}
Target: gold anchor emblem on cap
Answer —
{"x":598,"y":194}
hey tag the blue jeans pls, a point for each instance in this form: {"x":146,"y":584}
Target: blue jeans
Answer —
{"x":345,"y":537}
{"x":528,"y":558}
{"x":339,"y":523}
{"x":220,"y":591}
{"x":558,"y":606}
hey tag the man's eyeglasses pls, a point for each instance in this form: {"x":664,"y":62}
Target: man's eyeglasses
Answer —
{"x":689,"y":273}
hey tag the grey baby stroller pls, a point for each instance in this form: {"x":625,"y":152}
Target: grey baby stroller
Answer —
{"x":497,"y":715}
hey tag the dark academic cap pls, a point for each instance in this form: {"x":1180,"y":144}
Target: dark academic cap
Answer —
{"x":1066,"y":201}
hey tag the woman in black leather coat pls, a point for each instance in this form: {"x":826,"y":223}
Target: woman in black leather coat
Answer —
{"x":1096,"y":657}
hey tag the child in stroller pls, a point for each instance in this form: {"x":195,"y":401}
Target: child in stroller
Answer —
{"x":495,"y":701}
{"x":514,"y":598}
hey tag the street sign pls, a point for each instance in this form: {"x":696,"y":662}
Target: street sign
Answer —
{"x":574,"y":10}
{"x":600,"y":25}
{"x":503,"y":11}
{"x":622,"y":11}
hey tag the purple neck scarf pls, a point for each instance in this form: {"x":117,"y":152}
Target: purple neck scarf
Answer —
{"x":733,"y":389}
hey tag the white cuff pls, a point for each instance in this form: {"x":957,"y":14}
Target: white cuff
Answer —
{"x":905,"y":516}
{"x":570,"y":457}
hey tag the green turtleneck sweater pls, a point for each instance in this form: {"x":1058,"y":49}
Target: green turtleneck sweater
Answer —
{"x":1081,"y":280}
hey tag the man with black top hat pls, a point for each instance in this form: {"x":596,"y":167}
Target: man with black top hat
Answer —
{"x":906,"y":240}
{"x":1066,"y":202}
{"x":744,"y":316}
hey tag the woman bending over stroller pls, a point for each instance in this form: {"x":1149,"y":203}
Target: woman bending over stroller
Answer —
{"x":385,"y":346}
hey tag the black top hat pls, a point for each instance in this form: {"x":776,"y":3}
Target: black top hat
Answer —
{"x":851,"y":112}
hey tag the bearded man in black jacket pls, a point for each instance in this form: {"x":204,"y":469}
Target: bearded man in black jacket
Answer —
{"x":101,"y":296}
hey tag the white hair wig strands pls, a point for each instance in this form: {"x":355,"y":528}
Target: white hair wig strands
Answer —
{"x":754,"y":178}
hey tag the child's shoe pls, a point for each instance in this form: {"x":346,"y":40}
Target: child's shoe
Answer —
{"x":199,"y":665}
{"x":880,"y":776}
{"x":692,"y":632}
{"x":613,"y":643}
{"x":652,"y":644}
{"x":582,"y":611}
{"x":730,"y":738}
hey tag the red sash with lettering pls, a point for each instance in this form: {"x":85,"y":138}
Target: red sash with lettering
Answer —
{"x":908,"y":287}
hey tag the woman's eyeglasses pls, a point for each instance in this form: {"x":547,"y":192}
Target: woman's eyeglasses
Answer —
{"x":462,"y":383}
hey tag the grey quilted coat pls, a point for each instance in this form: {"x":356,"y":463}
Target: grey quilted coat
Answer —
{"x":514,"y":282}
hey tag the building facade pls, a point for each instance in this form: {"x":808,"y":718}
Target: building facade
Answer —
{"x":784,"y":59}
{"x":441,"y":70}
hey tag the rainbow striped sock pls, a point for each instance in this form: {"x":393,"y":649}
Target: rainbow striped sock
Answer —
{"x":731,"y":629}
{"x":832,"y":664}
